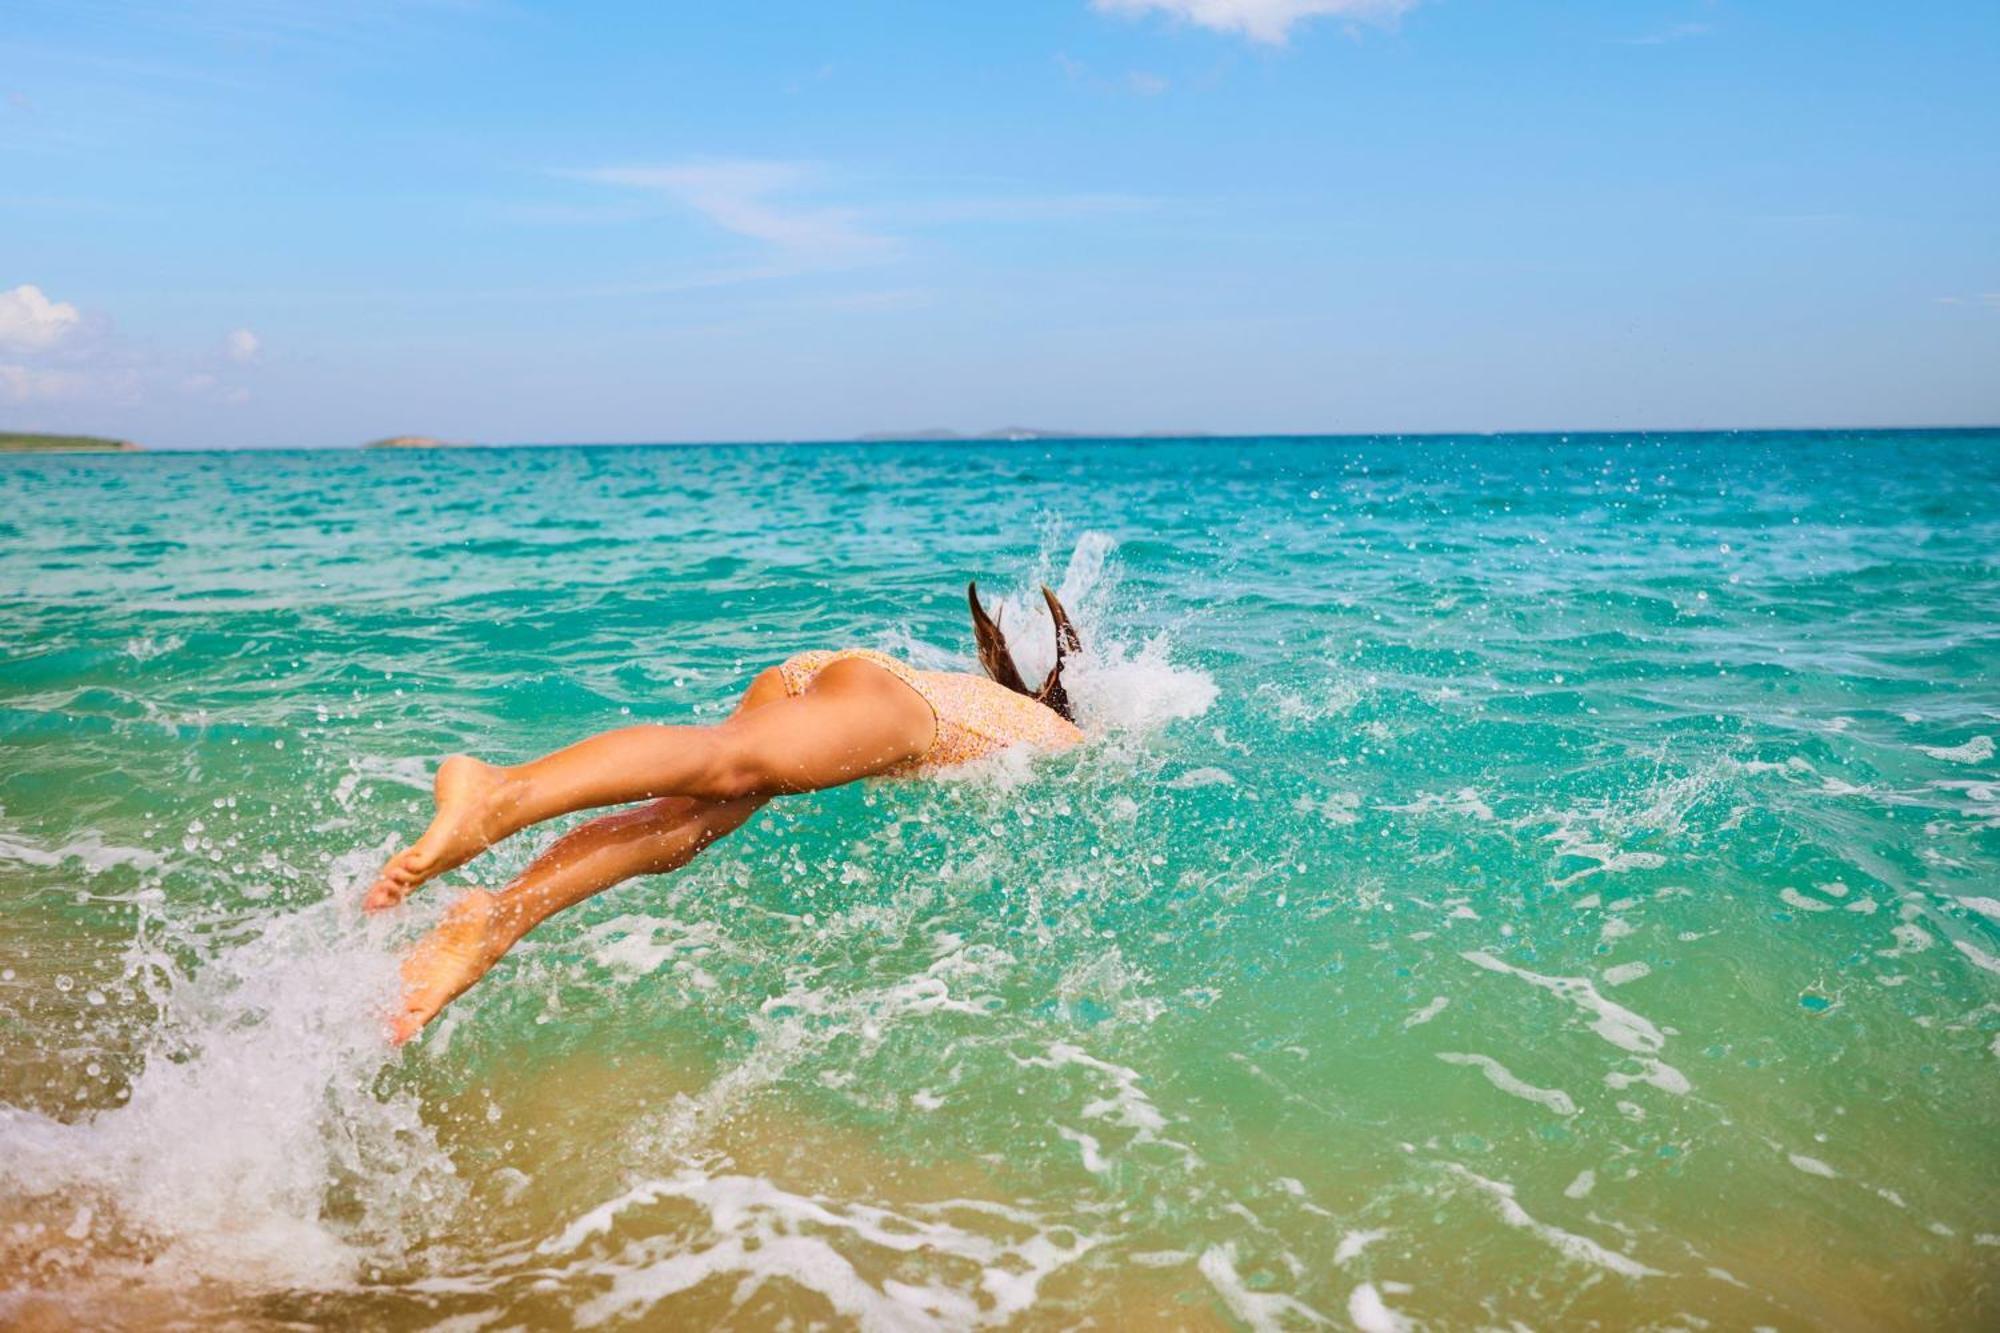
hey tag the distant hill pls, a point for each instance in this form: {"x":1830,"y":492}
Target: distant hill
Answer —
{"x":15,"y":442}
{"x":941,"y":434}
{"x":415,"y":442}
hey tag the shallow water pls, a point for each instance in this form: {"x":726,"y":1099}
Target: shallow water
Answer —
{"x":1512,"y":881}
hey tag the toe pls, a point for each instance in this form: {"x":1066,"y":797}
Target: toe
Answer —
{"x":418,"y":1009}
{"x":391,"y":886}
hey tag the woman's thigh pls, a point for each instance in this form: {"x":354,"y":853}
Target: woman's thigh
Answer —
{"x":855,"y":720}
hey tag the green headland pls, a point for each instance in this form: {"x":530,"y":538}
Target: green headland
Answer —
{"x":19,"y":442}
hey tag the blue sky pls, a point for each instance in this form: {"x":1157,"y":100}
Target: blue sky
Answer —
{"x":282,"y":223}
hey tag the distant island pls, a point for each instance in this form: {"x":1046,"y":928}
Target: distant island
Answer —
{"x":19,"y":442}
{"x":415,"y":442}
{"x":939,"y":434}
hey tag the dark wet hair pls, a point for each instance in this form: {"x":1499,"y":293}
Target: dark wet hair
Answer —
{"x":999,"y":663}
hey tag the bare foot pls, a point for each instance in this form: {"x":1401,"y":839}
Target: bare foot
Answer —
{"x":470,"y":939}
{"x":468,"y":794}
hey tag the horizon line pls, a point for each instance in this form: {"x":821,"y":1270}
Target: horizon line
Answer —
{"x":1050,"y":438}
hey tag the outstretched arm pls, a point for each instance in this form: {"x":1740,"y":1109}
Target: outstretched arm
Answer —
{"x":480,"y":927}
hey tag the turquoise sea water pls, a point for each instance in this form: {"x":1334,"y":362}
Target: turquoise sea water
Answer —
{"x":1513,"y":882}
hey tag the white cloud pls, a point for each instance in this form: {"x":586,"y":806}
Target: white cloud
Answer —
{"x":747,"y":198}
{"x":242,"y":346}
{"x":31,"y":322}
{"x":1260,"y":20}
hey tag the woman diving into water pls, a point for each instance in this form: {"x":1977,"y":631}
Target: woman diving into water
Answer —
{"x":818,"y":720}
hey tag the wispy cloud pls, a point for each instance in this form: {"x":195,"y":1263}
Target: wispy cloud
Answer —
{"x":1011,"y":208}
{"x":1990,"y":300}
{"x":758,"y":200}
{"x":35,"y":384}
{"x":1269,"y":21}
{"x":242,"y":346}
{"x":773,"y":204}
{"x":211,"y":388}
{"x":1137,"y":82}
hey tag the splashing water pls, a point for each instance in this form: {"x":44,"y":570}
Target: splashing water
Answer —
{"x":1509,"y":881}
{"x":250,"y":1143}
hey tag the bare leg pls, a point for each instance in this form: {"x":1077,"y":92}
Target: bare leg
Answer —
{"x":481,"y":926}
{"x":856,"y":720}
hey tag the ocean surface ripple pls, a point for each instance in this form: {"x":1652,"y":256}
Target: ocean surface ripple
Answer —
{"x":1514,"y":881}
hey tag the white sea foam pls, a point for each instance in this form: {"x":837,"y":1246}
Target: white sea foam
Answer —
{"x":1656,"y":1072}
{"x":95,"y":855}
{"x":1160,"y":1258}
{"x":1610,"y":861}
{"x":1979,"y":956}
{"x":1502,"y":1078}
{"x":1339,"y":809}
{"x":1427,"y":1013}
{"x":1975,"y":751}
{"x":1611,"y":1021}
{"x":759,"y":1232}
{"x":1335,"y":695}
{"x":411,"y":771}
{"x":1367,"y":1311}
{"x":1580,"y":1248}
{"x":1125,"y":1106}
{"x":633,"y":946}
{"x":794,"y":1025}
{"x":1263,"y":1311}
{"x":253,"y":1107}
{"x":1093,"y":1158}
{"x":1353,"y":1243}
{"x":144,"y":647}
{"x":1465,"y":802}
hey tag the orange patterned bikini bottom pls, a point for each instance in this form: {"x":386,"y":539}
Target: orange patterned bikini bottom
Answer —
{"x":976,"y":717}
